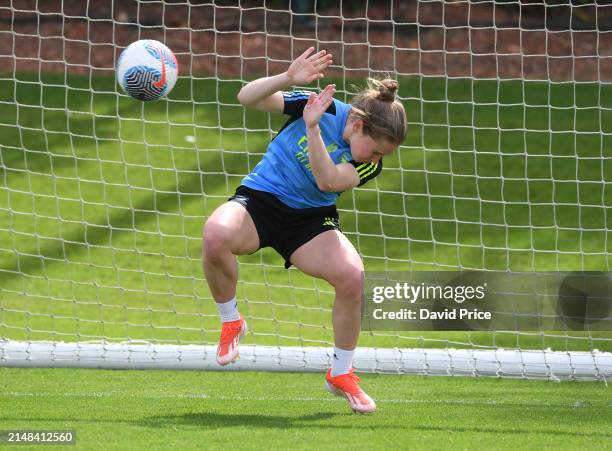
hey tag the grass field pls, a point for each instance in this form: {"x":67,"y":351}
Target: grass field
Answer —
{"x":102,"y":201}
{"x":191,"y":410}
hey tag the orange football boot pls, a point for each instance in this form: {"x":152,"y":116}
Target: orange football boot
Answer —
{"x":347,"y":385}
{"x":231,"y":332}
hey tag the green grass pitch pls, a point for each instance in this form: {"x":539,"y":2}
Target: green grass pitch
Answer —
{"x":214,"y":410}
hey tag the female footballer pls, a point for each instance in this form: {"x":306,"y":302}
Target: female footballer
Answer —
{"x":288,"y":202}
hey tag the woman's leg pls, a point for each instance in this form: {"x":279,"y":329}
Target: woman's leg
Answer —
{"x":229,"y":231}
{"x":332,"y":257}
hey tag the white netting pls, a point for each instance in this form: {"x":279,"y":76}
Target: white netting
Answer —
{"x":102,"y":198}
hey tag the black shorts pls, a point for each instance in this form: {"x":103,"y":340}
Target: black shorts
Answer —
{"x":281,"y":227}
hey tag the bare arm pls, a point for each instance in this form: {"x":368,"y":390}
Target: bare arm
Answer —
{"x":328,"y":175}
{"x":264,"y":93}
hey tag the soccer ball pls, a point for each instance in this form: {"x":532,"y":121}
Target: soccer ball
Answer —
{"x":147,"y":70}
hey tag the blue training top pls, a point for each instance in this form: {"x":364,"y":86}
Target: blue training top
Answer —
{"x":285,"y":168}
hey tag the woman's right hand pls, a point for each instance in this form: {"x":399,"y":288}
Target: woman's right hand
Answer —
{"x":317,"y":105}
{"x":308,"y":66}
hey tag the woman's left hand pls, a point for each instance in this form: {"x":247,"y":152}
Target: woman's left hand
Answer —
{"x":317,"y":105}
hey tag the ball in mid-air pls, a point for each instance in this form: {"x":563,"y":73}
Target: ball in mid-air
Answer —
{"x":147,"y":70}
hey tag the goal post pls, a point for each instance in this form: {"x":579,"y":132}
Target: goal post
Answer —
{"x":102,"y":198}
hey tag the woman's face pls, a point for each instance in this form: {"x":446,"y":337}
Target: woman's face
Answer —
{"x":365,"y":149}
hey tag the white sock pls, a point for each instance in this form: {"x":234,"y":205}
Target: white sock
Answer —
{"x":228,"y":310}
{"x":342,"y":361}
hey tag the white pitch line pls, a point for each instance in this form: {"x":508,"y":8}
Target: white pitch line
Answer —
{"x":575,"y":404}
{"x":108,"y":394}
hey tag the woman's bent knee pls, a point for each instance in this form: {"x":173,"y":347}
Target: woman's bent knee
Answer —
{"x":217,"y":240}
{"x":349,"y":283}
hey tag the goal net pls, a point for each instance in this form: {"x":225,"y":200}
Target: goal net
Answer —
{"x":102,"y":197}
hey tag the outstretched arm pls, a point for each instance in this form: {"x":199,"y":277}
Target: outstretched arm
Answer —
{"x":328,"y":175}
{"x":264,"y":93}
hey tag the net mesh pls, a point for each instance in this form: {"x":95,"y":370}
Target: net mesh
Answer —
{"x":102,"y":198}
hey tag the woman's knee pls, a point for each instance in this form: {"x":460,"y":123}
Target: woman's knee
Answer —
{"x":348,"y":282}
{"x":217,"y":239}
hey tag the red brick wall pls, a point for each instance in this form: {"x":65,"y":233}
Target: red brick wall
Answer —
{"x":459,"y":39}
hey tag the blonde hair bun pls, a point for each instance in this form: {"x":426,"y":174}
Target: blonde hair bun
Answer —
{"x":386,"y":88}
